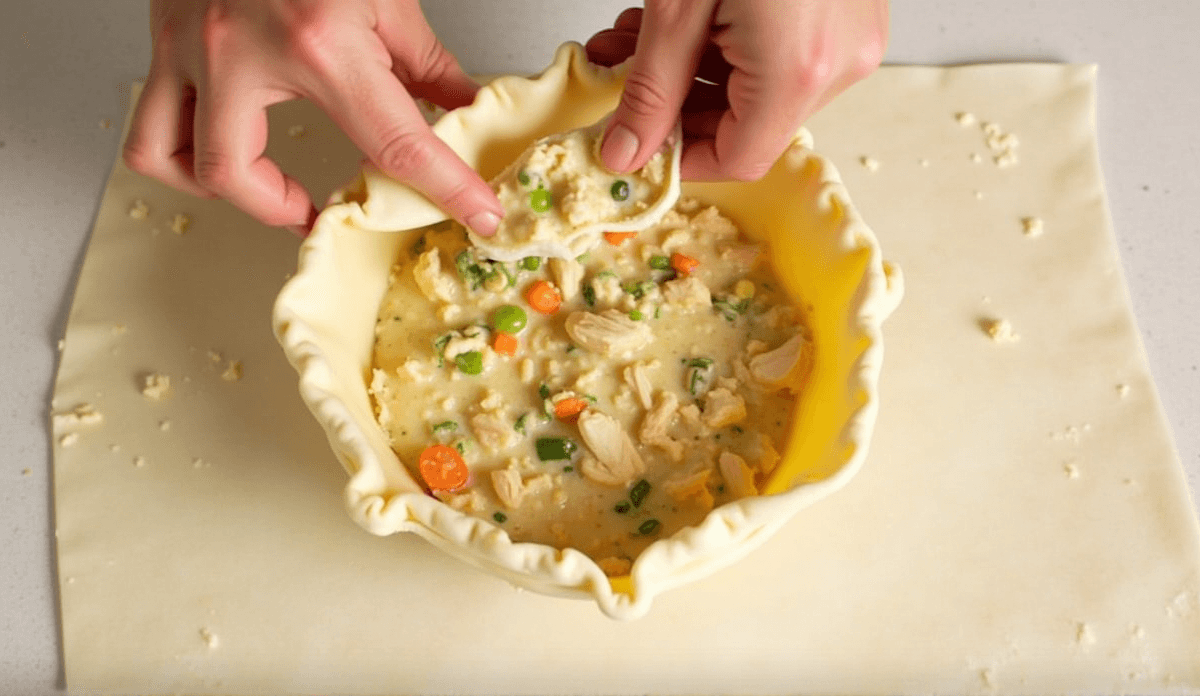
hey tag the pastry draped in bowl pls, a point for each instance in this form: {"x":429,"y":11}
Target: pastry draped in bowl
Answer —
{"x":826,"y":256}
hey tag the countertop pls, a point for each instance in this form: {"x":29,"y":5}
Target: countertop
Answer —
{"x":65,"y":70}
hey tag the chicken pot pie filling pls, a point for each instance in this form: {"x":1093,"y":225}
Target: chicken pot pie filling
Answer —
{"x":600,"y":402}
{"x":559,"y":198}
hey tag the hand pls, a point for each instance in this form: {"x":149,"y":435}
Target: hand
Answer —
{"x":769,"y":64}
{"x":201,"y":123}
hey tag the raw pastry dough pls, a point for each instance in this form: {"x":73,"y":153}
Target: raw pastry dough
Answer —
{"x":963,"y":558}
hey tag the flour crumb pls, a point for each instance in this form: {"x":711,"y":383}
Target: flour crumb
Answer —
{"x":139,"y":210}
{"x":62,"y":343}
{"x":139,"y":461}
{"x":233,"y":371}
{"x":1000,"y":330}
{"x":68,"y":440}
{"x":975,"y":157}
{"x":210,"y":639}
{"x":979,"y":195}
{"x":297,"y":131}
{"x":1122,"y":391}
{"x":164,"y":425}
{"x":924,"y":162}
{"x":869,"y":163}
{"x":1032,"y":226}
{"x":1084,"y":635}
{"x":180,"y":223}
{"x":155,"y":386}
{"x":1071,"y":470}
{"x":1007,"y":158}
{"x":26,"y":472}
{"x":198,"y":463}
{"x":965,"y":118}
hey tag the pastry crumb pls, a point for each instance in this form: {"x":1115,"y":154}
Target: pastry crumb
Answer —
{"x":965,"y":118}
{"x":296,"y":131}
{"x":1007,"y":158}
{"x":83,"y":414}
{"x":924,"y":162}
{"x":1071,"y":470}
{"x":869,"y":163}
{"x":1084,"y":635}
{"x":164,"y":425}
{"x":139,"y":461}
{"x":139,"y":210}
{"x":1122,"y":390}
{"x":26,"y":472}
{"x":199,"y":463}
{"x":975,"y":157}
{"x":979,"y":195}
{"x":68,"y":440}
{"x":155,"y":386}
{"x":180,"y":223}
{"x":233,"y":371}
{"x":1032,"y":226}
{"x":1000,"y":330}
{"x":210,"y":639}
{"x":114,"y":448}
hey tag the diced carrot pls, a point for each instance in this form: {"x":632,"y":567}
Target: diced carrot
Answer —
{"x":505,"y":343}
{"x":683,"y":263}
{"x":443,"y":468}
{"x":543,"y":297}
{"x":616,"y":238}
{"x":568,"y":409}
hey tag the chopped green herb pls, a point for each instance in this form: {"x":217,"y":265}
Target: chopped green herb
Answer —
{"x":636,"y":315}
{"x":583,"y":258}
{"x":510,"y":275}
{"x":622,"y":507}
{"x":540,"y":200}
{"x":509,"y":319}
{"x":531,"y":263}
{"x":657,"y":311}
{"x":589,"y":295}
{"x":638,"y":288}
{"x":730,"y":309}
{"x":590,"y":398}
{"x":544,"y":391}
{"x":620,"y":190}
{"x":648,"y":527}
{"x":472,"y":273}
{"x":568,"y":469}
{"x":439,"y":347}
{"x":554,"y":448}
{"x":607,"y":273}
{"x":700,"y":362}
{"x":523,"y":177}
{"x":737,"y":429}
{"x":639,"y":492}
{"x":519,"y":426}
{"x":470,"y":363}
{"x":660,"y":263}
{"x":445,"y":427}
{"x":462,"y":445}
{"x":500,"y":517}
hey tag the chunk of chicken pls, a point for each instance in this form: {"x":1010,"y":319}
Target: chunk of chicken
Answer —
{"x":687,"y":294}
{"x":610,"y":332}
{"x":638,"y":379}
{"x":568,"y":273}
{"x":616,"y":460}
{"x":774,"y":366}
{"x":511,"y":488}
{"x":690,"y":488}
{"x":739,"y":477}
{"x":493,"y":431}
{"x":436,"y":284}
{"x":653,"y":432}
{"x":469,"y":339}
{"x":723,"y":407}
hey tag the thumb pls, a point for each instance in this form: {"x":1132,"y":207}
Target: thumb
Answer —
{"x":672,"y":37}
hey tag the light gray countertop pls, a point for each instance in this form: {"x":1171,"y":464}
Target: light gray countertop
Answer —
{"x":65,"y":66}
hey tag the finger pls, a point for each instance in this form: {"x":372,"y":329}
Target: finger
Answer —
{"x":381,"y":118}
{"x":611,"y":47}
{"x":421,"y":62}
{"x":231,"y":135}
{"x":669,"y":45}
{"x":159,"y":144}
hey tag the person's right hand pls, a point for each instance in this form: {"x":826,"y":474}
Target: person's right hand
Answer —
{"x":201,"y":123}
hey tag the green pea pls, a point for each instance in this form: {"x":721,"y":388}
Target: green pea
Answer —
{"x":660,"y":263}
{"x":470,"y":363}
{"x":531,"y":263}
{"x":619,"y":190}
{"x":636,"y":315}
{"x":540,"y":200}
{"x":509,"y":319}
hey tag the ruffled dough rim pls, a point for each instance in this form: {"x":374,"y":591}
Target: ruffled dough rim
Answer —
{"x":316,"y":328}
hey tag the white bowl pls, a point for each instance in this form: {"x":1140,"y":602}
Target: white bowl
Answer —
{"x":828,"y":259}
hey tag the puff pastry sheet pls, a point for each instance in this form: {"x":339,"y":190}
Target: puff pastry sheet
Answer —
{"x":1022,"y":524}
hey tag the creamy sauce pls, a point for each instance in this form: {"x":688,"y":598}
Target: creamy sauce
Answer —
{"x":676,"y":371}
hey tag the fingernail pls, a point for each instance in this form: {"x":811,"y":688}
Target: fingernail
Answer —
{"x":302,"y":231}
{"x":619,"y":148}
{"x":484,"y":223}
